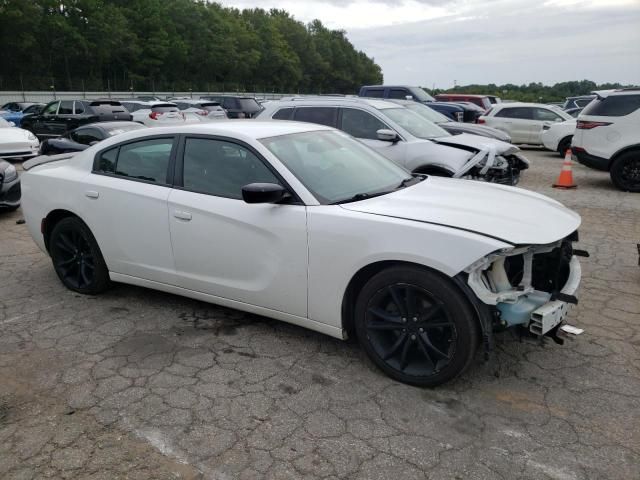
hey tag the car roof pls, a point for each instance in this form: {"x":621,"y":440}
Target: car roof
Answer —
{"x":108,"y":125}
{"x":461,"y":95}
{"x":377,"y":103}
{"x":255,"y":129}
{"x":525,"y":104}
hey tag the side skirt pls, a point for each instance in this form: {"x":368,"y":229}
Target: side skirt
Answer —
{"x":225,"y":302}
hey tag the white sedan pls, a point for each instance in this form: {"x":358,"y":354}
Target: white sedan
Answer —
{"x":16,"y":142}
{"x":557,"y":137}
{"x":302,"y":223}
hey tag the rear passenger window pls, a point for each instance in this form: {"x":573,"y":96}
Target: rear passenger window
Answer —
{"x":374,"y":93}
{"x":524,"y":113}
{"x":107,"y":161}
{"x":283,"y":114}
{"x":66,"y":108}
{"x":146,"y":160}
{"x":613,"y":106}
{"x":321,"y":115}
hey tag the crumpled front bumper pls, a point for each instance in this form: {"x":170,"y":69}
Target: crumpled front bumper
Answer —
{"x":538,"y":311}
{"x":487,"y":165}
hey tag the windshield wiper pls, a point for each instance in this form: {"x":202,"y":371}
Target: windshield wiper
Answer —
{"x":361,"y":196}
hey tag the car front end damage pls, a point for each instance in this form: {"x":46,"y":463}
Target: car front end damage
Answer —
{"x":532,"y":287}
{"x":490,"y":166}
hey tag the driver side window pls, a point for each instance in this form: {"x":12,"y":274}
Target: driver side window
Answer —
{"x":221,"y":168}
{"x":51,"y":109}
{"x":360,"y":124}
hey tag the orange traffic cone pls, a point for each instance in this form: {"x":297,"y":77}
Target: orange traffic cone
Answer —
{"x":565,"y":180}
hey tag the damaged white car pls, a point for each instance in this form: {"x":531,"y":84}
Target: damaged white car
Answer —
{"x":302,"y":223}
{"x":407,"y":138}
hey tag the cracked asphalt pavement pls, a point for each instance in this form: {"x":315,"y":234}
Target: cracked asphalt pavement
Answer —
{"x":140,"y":384}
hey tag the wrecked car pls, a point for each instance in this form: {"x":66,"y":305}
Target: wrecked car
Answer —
{"x":407,"y":138}
{"x":302,"y":223}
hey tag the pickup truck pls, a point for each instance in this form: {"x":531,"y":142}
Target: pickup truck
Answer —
{"x":459,"y":113}
{"x":60,"y":116}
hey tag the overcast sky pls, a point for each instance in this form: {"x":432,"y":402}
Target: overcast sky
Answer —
{"x":434,"y":42}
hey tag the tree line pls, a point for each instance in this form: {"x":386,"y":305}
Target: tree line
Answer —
{"x":155,"y":45}
{"x":534,"y":92}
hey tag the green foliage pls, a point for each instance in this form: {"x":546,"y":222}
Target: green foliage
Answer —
{"x":172,"y":45}
{"x":534,"y":92}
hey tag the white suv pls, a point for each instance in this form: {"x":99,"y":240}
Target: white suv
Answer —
{"x":523,"y":121}
{"x":607,"y":137}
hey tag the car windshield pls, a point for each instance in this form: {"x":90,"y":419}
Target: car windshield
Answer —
{"x":415,"y":124}
{"x":427,"y":112}
{"x":336,"y":168}
{"x":421,"y":96}
{"x":248,"y":105}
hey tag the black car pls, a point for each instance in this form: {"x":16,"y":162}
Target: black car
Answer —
{"x":236,"y":106}
{"x":60,"y":116}
{"x":83,"y":137}
{"x":458,"y":112}
{"x":9,"y":187}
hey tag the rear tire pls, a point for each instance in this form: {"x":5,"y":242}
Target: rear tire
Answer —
{"x":625,"y":172}
{"x":416,"y":326}
{"x":76,"y":257}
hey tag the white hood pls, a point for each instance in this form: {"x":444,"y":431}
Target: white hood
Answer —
{"x":14,"y":134}
{"x":479,"y":143}
{"x":511,"y":214}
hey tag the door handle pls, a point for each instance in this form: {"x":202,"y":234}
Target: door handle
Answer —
{"x":179,"y":214}
{"x":91,"y":194}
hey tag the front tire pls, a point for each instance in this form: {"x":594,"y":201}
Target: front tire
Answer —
{"x":564,"y":145}
{"x":76,"y":257}
{"x":625,"y":172}
{"x":416,"y":326}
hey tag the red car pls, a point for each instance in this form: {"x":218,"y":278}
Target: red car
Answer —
{"x":482,"y":101}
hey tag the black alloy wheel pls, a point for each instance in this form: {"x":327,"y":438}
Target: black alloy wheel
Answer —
{"x":77,"y":258}
{"x":416,"y":326}
{"x":625,"y":172}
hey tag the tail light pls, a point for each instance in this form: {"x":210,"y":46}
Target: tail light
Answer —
{"x":480,"y":120}
{"x":587,"y":125}
{"x":154,"y":115}
{"x":204,"y":113}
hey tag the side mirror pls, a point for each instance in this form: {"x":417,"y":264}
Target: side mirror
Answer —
{"x":386,"y":135}
{"x":263,"y":193}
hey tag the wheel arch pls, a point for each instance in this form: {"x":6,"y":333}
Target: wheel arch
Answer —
{"x":360,"y":278}
{"x":622,"y":151}
{"x":51,"y":220}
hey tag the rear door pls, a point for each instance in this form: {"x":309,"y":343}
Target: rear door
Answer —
{"x":43,"y":124}
{"x":321,"y":115}
{"x":127,"y":195}
{"x":516,"y":121}
{"x":251,"y":253}
{"x":64,"y":120}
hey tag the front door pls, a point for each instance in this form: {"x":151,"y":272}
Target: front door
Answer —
{"x":251,"y":253}
{"x":43,"y":125}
